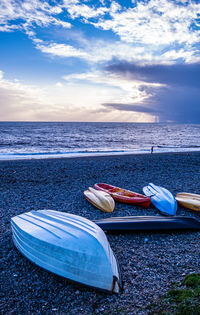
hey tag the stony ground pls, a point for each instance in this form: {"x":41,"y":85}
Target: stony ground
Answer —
{"x":149,"y":262}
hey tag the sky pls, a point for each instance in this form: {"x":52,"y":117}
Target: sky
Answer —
{"x":123,"y":60}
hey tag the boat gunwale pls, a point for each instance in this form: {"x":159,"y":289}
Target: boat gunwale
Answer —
{"x":133,"y":198}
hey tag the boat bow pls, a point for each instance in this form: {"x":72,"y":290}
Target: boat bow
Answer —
{"x":67,"y":245}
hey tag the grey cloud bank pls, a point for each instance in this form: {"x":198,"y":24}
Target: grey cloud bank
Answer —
{"x":130,"y":107}
{"x":178,"y":99}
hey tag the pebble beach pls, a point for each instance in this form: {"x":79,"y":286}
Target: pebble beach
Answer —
{"x":149,"y":262}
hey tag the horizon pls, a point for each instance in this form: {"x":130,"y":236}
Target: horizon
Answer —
{"x":98,"y":122}
{"x":100,"y":61}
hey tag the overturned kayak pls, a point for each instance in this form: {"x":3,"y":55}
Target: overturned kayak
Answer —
{"x":148,"y":223}
{"x":67,"y":245}
{"x":124,"y":195}
{"x":188,"y":200}
{"x":100,"y":199}
{"x":161,"y":198}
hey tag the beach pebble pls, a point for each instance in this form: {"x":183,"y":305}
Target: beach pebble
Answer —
{"x":150,"y":262}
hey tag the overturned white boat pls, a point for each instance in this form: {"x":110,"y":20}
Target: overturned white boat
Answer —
{"x":69,"y":246}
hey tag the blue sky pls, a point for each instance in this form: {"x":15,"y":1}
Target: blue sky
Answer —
{"x":101,"y":60}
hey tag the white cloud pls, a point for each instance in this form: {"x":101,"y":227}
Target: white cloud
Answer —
{"x":115,"y":7}
{"x":145,"y":30}
{"x":1,"y":75}
{"x":98,"y":52}
{"x":101,"y":52}
{"x":77,"y":9}
{"x":156,"y":25}
{"x":66,"y":101}
{"x":30,"y":13}
{"x":62,"y":50}
{"x":19,"y":101}
{"x":188,"y":56}
{"x":149,"y":33}
{"x":59,"y":84}
{"x":158,"y":22}
{"x":128,"y":91}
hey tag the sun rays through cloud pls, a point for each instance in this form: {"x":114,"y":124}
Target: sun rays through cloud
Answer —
{"x":100,"y":60}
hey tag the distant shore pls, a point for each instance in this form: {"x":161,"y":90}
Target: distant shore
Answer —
{"x":149,"y":262}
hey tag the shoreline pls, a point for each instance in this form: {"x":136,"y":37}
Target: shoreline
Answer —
{"x":149,"y":262}
{"x":45,"y":156}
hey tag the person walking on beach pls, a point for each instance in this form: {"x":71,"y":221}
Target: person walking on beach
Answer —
{"x":152,"y":149}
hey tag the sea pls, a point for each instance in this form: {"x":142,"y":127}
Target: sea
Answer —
{"x":28,"y":140}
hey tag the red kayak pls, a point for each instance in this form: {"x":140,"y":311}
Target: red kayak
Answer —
{"x":124,"y":195}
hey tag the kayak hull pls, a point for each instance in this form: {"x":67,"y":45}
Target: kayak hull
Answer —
{"x":188,"y":200}
{"x":124,"y":195}
{"x":100,"y":199}
{"x":161,"y":198}
{"x":147,"y":223}
{"x":69,"y":246}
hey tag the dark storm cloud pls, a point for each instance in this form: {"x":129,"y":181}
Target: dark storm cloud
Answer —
{"x":177,"y":104}
{"x":130,"y":107}
{"x":178,"y":100}
{"x":184,"y":75}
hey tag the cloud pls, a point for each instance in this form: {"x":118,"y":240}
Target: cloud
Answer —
{"x":100,"y":51}
{"x":156,"y":31}
{"x":65,"y":101}
{"x":166,"y":30}
{"x":1,"y":75}
{"x":177,"y":98}
{"x":157,"y":22}
{"x":131,"y":108}
{"x":120,"y":90}
{"x":62,"y":50}
{"x":19,"y":101}
{"x":189,"y":55}
{"x":59,"y":84}
{"x":179,"y":104}
{"x":26,"y":14}
{"x":23,"y":102}
{"x":77,"y":9}
{"x":152,"y":36}
{"x":177,"y":74}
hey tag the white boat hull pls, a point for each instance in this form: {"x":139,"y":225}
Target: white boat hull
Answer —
{"x":67,"y":245}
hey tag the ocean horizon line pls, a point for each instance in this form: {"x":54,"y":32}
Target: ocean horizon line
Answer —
{"x":101,"y":122}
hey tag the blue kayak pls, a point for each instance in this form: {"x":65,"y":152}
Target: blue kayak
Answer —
{"x":161,"y":198}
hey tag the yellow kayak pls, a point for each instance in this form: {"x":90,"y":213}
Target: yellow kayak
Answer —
{"x":188,"y":200}
{"x":100,"y":199}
